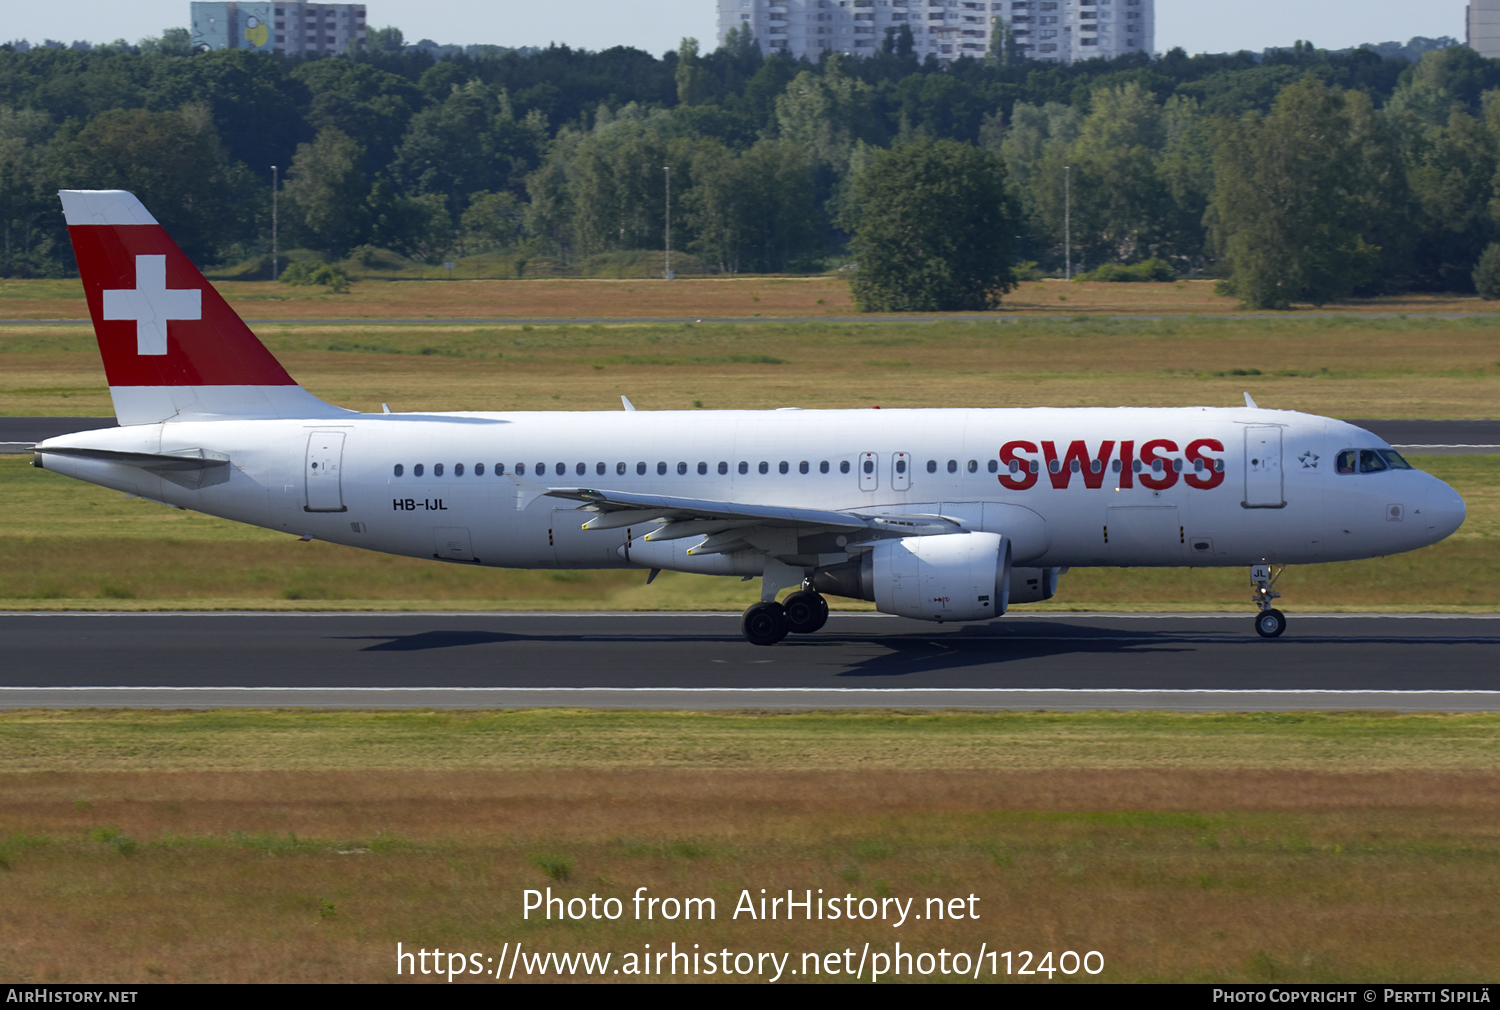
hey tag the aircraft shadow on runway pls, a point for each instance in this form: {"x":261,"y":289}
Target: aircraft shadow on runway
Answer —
{"x":1030,"y":653}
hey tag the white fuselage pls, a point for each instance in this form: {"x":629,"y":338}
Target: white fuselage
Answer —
{"x":480,"y":499}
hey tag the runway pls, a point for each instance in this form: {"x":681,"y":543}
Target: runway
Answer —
{"x":665,"y":660}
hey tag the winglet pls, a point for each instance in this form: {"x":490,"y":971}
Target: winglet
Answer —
{"x":626,"y":401}
{"x":1250,"y":403}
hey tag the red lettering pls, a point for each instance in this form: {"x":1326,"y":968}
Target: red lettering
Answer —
{"x":1127,"y":461}
{"x":1195,"y":452}
{"x":1007,"y":457}
{"x":1077,"y":451}
{"x":1149,"y":458}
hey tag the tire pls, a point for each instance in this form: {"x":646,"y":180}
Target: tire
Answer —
{"x":1270,"y":623}
{"x":806,"y":612}
{"x":764,"y":623}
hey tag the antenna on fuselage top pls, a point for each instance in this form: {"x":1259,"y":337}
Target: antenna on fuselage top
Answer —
{"x":1250,"y":403}
{"x":630,"y":406}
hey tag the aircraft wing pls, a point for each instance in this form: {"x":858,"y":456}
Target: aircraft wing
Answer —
{"x":722,"y":522}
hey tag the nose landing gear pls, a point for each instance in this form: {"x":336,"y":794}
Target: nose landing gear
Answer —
{"x":1270,"y":622}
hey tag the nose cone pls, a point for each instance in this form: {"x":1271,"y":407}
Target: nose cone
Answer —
{"x":1444,"y":511}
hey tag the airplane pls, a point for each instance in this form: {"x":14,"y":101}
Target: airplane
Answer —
{"x":933,"y":514}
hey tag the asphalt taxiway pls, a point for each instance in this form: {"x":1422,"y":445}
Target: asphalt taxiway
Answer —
{"x":677,"y":660}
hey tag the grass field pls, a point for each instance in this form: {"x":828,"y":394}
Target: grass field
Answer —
{"x":69,"y":545}
{"x":734,"y":297}
{"x":276,"y":846}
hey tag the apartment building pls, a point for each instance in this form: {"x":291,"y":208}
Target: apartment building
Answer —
{"x":1482,"y":28}
{"x":304,"y":28}
{"x":1050,"y":30}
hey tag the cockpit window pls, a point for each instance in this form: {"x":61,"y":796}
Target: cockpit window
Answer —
{"x":1370,"y":461}
{"x":1347,"y":461}
{"x":1395,"y":459}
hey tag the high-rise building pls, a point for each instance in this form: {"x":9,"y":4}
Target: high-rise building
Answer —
{"x":1053,"y":30}
{"x":311,"y":28}
{"x":1482,"y":27}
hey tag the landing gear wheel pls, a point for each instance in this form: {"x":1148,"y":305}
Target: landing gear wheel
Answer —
{"x":1270,"y":623}
{"x":764,"y":623}
{"x":806,"y":612}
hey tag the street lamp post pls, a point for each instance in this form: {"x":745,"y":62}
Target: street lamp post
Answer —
{"x":668,"y":169}
{"x":275,"y":180}
{"x":1068,"y":222}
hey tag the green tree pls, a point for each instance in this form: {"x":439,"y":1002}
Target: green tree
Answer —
{"x":692,"y":84}
{"x":174,"y":163}
{"x":492,"y":222}
{"x":326,"y":191}
{"x":934,"y":230}
{"x":1289,"y":205}
{"x":1487,"y":273}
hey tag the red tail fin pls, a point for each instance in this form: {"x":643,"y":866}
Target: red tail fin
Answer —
{"x":173,"y":349}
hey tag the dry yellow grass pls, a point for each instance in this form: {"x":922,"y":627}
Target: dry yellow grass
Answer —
{"x":733,"y":297}
{"x":1346,"y":367}
{"x":314,"y":877}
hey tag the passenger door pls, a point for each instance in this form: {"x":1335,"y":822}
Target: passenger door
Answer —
{"x":323,"y":476}
{"x":1263,"y":488}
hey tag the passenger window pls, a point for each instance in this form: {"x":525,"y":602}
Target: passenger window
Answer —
{"x":437,"y":470}
{"x":640,"y":468}
{"x":1370,"y":461}
{"x":499,"y":469}
{"x":681,"y":469}
{"x":399,"y":469}
{"x":416,"y":471}
{"x":581,"y":469}
{"x":599,"y":469}
{"x":541,"y":469}
{"x":953,"y":466}
{"x":479,"y":469}
{"x":520,"y":470}
{"x":661,"y":469}
{"x":1115,"y":466}
{"x":765,"y":467}
{"x":869,"y":466}
{"x":802,"y":467}
{"x":1036,"y":466}
{"x":1073,"y":466}
{"x":900,"y":466}
{"x":932,"y":466}
{"x":995,"y":466}
{"x":620,"y":469}
{"x":723,"y":467}
{"x":783,"y":466}
{"x":973,"y":466}
{"x":843,"y":466}
{"x":458,"y":469}
{"x":744,"y":467}
{"x":702,"y":469}
{"x":1177,"y":465}
{"x":1015,"y":465}
{"x":823,"y":467}
{"x":562,"y":468}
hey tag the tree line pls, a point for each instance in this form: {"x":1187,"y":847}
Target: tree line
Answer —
{"x":1295,"y":174}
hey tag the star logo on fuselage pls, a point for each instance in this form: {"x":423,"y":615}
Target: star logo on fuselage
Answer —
{"x":1309,"y":460}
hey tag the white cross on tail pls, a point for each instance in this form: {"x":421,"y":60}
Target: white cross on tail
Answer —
{"x":150,"y":304}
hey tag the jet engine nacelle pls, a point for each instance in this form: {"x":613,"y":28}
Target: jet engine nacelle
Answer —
{"x":954,"y":577}
{"x":1033,"y":585}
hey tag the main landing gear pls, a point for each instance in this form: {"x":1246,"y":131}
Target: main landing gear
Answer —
{"x":1270,"y":622}
{"x":768,"y":622}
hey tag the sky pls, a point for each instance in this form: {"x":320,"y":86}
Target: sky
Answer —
{"x":656,"y":26}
